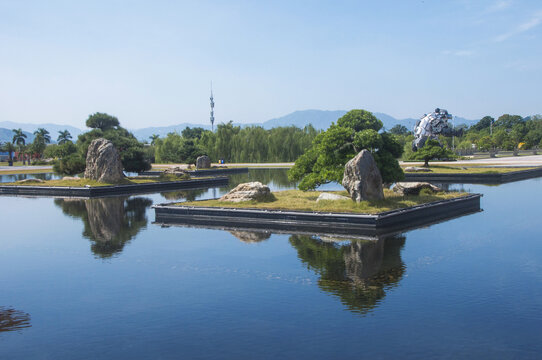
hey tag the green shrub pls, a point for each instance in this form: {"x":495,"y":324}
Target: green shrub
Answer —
{"x":70,"y":165}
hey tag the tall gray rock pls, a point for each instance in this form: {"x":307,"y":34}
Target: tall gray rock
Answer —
{"x":362,"y":178}
{"x":203,"y":162}
{"x":103,"y":162}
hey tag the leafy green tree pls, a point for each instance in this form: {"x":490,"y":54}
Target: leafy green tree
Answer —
{"x":70,"y":165}
{"x":43,"y":135}
{"x":10,"y":149}
{"x":484,"y":123}
{"x":192,"y":133}
{"x":131,"y":151}
{"x":154,"y":138}
{"x":508,"y":121}
{"x":356,"y":130}
{"x":102,"y":121}
{"x":19,"y":139}
{"x":63,"y":137}
{"x":486,"y":143}
{"x":399,"y":130}
{"x":431,"y":150}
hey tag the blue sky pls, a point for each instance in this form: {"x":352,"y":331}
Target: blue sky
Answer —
{"x":151,"y":62}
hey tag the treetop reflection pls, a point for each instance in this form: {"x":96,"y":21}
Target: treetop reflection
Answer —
{"x":13,"y":320}
{"x":109,"y":222}
{"x":359,"y":272}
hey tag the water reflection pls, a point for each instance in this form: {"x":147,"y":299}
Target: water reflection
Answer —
{"x":358,"y":272}
{"x":251,"y":237}
{"x":108,"y":222}
{"x":274,"y":178}
{"x":13,"y":320}
{"x":4,"y":178}
{"x":188,"y":195}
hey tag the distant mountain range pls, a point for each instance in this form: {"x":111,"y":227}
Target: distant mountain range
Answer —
{"x":6,"y":133}
{"x":320,"y":119}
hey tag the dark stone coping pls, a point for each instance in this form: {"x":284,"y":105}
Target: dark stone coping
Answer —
{"x":361,"y":225}
{"x":500,"y":178}
{"x":206,"y":172}
{"x":113,"y":190}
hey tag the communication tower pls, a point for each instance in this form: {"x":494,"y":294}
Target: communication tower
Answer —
{"x":212,"y":109}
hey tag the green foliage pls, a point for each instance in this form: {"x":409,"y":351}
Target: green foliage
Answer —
{"x":63,"y":137}
{"x":508,"y":121}
{"x":431,"y":150}
{"x":131,"y":151}
{"x":357,"y":130}
{"x":19,"y":137}
{"x":59,"y":150}
{"x":486,"y":143}
{"x":102,"y":121}
{"x":70,"y":165}
{"x":484,"y":123}
{"x":236,"y":144}
{"x":399,"y":130}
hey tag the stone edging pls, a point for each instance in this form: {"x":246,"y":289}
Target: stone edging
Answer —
{"x":499,"y":178}
{"x":113,"y":190}
{"x":337,"y":223}
{"x":197,"y":173}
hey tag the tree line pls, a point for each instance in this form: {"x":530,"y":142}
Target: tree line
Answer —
{"x":234,"y":144}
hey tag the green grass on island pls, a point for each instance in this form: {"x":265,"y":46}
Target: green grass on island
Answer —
{"x":82,"y":182}
{"x":481,"y":169}
{"x":306,"y":201}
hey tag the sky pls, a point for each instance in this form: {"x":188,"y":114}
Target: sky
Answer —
{"x":151,"y":63}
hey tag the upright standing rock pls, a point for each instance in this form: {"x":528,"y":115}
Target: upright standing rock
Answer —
{"x":103,"y":162}
{"x":362,"y":178}
{"x":203,"y":162}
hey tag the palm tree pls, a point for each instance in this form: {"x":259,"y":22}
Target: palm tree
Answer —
{"x":63,"y":137}
{"x":153,"y":138}
{"x":19,"y":139}
{"x":43,"y":134}
{"x":10,"y":148}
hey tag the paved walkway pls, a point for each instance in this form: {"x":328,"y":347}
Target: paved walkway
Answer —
{"x":530,"y":160}
{"x":8,"y":169}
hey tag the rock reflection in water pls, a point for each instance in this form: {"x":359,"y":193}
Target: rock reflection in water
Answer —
{"x":13,"y":320}
{"x":359,"y":273}
{"x":189,"y":195}
{"x":109,"y":222}
{"x":251,"y":237}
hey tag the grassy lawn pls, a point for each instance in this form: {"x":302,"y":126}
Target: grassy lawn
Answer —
{"x":479,"y":169}
{"x":92,"y":183}
{"x":306,"y":201}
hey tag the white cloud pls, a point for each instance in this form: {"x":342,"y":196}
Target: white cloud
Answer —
{"x":499,"y":5}
{"x":521,"y":28}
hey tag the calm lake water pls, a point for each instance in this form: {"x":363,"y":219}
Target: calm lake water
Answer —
{"x":95,"y":279}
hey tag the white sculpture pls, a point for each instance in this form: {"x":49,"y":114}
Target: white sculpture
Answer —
{"x":430,"y":126}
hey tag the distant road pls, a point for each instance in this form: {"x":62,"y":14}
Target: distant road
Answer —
{"x":530,"y":160}
{"x":8,"y":169}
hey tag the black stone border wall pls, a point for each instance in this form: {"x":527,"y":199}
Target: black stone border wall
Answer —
{"x":500,"y":178}
{"x":197,"y":173}
{"x":336,"y":223}
{"x":113,"y":190}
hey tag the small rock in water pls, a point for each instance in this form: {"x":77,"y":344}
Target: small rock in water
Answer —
{"x":417,"y":169}
{"x":203,"y":162}
{"x":329,"y":196}
{"x":28,"y":181}
{"x":413,"y":188}
{"x":248,"y":191}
